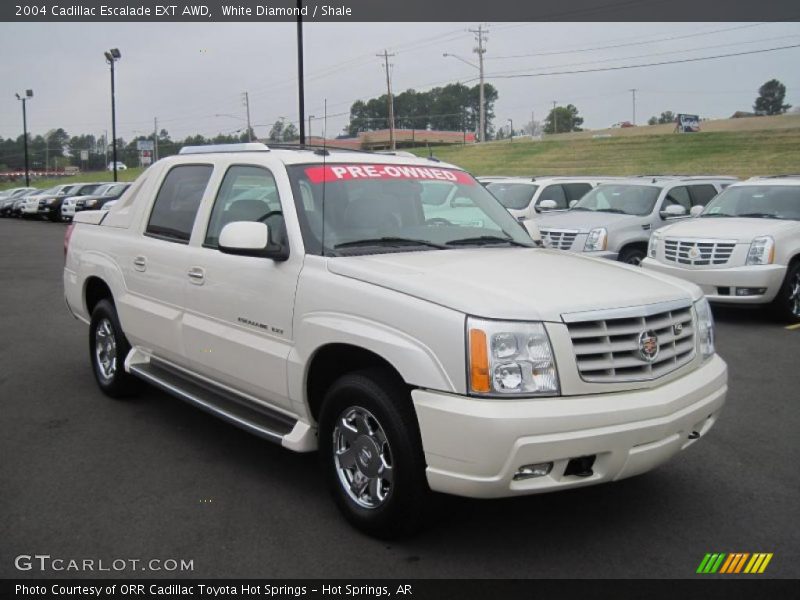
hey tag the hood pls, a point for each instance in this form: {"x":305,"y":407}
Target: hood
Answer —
{"x":513,"y":283}
{"x":582,"y":220}
{"x":729,"y":228}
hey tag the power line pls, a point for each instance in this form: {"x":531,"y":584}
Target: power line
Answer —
{"x":638,"y":56}
{"x":656,"y":64}
{"x":627,"y":44}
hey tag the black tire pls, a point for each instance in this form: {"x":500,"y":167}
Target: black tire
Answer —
{"x":787,"y":302}
{"x":409,"y":500}
{"x":632,"y":256}
{"x":110,"y":374}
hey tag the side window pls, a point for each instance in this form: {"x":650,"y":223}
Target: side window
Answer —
{"x":701,"y":194}
{"x":177,"y":201}
{"x":678,"y":196}
{"x":555,"y":193}
{"x":247,"y":193}
{"x":576,"y":191}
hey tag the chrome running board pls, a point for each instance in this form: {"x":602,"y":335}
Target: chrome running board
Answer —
{"x":242,"y":412}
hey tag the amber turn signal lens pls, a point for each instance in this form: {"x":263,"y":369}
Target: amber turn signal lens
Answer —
{"x":478,"y":361}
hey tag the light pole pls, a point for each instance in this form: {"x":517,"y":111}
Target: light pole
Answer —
{"x":555,"y":118}
{"x":511,"y":130}
{"x":113,"y":56}
{"x":28,"y":95}
{"x":481,"y":108}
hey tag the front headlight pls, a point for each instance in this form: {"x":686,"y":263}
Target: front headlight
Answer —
{"x":705,"y":327}
{"x":652,"y":246}
{"x":596,"y":240}
{"x":509,"y":358}
{"x":762,"y":251}
{"x":91,"y":202}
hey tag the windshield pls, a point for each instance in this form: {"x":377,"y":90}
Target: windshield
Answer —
{"x":514,"y":196}
{"x":102,"y":190}
{"x":389,"y":208}
{"x":88,"y":189}
{"x":116,"y":190}
{"x":623,"y":199}
{"x":757,"y":201}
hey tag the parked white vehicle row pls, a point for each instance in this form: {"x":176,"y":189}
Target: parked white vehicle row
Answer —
{"x":615,"y":220}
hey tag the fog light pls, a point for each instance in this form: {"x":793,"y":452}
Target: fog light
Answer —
{"x":750,"y":291}
{"x":531,"y":471}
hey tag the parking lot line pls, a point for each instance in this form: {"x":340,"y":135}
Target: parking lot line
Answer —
{"x":795,"y":326}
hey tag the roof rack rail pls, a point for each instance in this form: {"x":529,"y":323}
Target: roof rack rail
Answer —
{"x":313,"y":147}
{"x":211,"y":148}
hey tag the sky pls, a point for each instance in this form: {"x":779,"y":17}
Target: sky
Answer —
{"x":191,"y":76}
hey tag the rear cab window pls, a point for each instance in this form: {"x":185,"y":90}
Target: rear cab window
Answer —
{"x":175,"y":208}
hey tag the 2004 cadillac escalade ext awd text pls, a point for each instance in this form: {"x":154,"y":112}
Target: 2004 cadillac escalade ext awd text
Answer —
{"x":323,"y":300}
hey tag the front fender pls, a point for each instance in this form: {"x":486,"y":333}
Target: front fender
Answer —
{"x":416,"y":362}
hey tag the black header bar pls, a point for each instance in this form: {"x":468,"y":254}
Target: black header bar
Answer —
{"x":400,"y":10}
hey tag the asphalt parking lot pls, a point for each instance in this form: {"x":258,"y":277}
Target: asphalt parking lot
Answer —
{"x":83,"y":476}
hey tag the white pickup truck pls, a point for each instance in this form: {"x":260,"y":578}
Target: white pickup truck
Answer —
{"x":323,"y":300}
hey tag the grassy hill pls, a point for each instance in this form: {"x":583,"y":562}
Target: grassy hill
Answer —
{"x":726,"y":147}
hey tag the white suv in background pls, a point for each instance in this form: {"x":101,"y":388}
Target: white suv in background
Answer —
{"x":615,"y":220}
{"x":744,"y":248}
{"x":529,"y":197}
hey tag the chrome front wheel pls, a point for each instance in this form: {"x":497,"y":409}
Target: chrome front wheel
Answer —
{"x":363,"y":457}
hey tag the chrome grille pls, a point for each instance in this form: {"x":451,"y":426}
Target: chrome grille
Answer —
{"x":560,"y":239}
{"x":42,"y":203}
{"x":80,"y":203}
{"x":607,"y":348}
{"x":698,"y":252}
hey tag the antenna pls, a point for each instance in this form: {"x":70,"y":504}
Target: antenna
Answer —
{"x":324,"y":179}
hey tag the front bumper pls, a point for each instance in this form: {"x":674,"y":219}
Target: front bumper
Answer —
{"x":29,"y":209}
{"x":473,"y":447}
{"x":714,"y":282}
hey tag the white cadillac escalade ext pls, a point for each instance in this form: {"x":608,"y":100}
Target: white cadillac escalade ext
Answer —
{"x":323,"y":300}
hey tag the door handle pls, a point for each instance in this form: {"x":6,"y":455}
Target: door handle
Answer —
{"x":196,"y":275}
{"x":140,"y":263}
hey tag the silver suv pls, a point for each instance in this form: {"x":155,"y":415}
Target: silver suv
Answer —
{"x":529,"y":197}
{"x":615,"y":220}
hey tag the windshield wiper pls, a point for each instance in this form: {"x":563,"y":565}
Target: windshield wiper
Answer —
{"x":389,"y":241}
{"x":758,"y":216}
{"x":486,"y":239}
{"x":709,"y":215}
{"x":579,"y":208}
{"x":612,"y":210}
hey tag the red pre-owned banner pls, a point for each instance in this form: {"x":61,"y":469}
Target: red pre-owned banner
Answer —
{"x":333,"y":173}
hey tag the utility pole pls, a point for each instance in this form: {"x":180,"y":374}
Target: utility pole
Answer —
{"x":309,"y":126}
{"x":511,"y":130}
{"x":390,"y":100}
{"x":155,"y":139}
{"x":633,"y":91}
{"x":300,"y":82}
{"x":555,"y":118}
{"x":480,"y":37}
{"x":28,"y":95}
{"x":246,"y":102}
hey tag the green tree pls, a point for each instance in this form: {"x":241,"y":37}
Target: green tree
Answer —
{"x":276,"y":133}
{"x":562,"y":119}
{"x":652,"y":121}
{"x":290,"y":133}
{"x":770,"y":99}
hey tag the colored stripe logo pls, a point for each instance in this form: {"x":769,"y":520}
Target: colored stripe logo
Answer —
{"x":734,"y":563}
